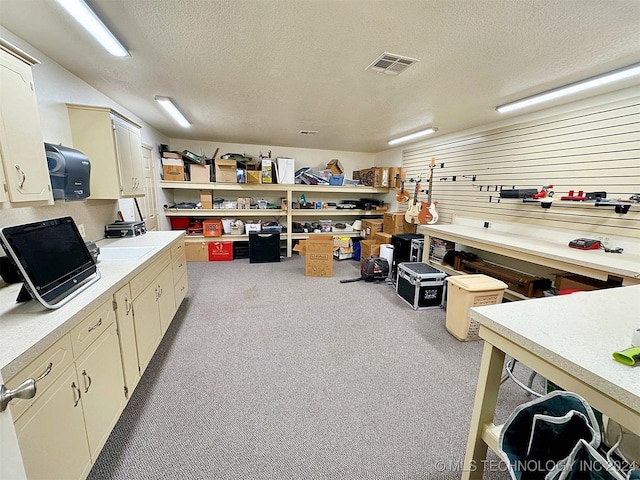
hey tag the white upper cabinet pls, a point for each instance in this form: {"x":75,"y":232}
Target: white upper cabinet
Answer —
{"x":113,"y":145}
{"x":24,"y":173}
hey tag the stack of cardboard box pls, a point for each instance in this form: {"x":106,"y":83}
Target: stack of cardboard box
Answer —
{"x":379,"y":232}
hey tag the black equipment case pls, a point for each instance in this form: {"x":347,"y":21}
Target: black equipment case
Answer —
{"x":421,"y":285}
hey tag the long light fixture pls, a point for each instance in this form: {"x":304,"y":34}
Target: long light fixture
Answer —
{"x":614,"y":76}
{"x":413,"y":136}
{"x":168,"y":105}
{"x":92,"y":24}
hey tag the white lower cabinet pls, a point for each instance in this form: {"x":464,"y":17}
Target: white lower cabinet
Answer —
{"x":147,"y":324}
{"x":102,"y":387}
{"x":127,"y":338}
{"x":62,"y":432}
{"x":52,"y":434}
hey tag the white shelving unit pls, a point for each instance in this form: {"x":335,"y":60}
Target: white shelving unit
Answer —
{"x":288,"y":192}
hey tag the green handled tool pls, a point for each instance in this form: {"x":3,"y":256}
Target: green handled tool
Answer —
{"x":630,"y":356}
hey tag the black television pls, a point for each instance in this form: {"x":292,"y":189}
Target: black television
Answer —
{"x":52,"y":258}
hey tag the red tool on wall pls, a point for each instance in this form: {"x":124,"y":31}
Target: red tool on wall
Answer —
{"x":545,"y":192}
{"x":580,"y":197}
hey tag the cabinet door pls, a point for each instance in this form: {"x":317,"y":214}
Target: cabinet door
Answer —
{"x":100,"y":375}
{"x":127,"y":338}
{"x":166,"y":297}
{"x":52,"y":435}
{"x":129,"y":151}
{"x":147,"y":324}
{"x":21,"y":145}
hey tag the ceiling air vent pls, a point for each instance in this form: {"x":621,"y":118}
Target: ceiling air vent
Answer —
{"x":307,"y":132}
{"x":391,"y":64}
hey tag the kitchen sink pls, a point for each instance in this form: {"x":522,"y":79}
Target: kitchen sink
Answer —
{"x":114,"y":254}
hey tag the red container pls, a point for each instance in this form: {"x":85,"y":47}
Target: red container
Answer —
{"x":179,"y":223}
{"x":220,"y":251}
{"x":212,"y":228}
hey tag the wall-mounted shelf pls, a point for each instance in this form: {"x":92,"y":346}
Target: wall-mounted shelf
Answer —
{"x":261,"y":187}
{"x":619,"y":207}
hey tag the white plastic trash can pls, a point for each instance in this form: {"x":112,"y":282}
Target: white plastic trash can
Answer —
{"x":464,"y":292}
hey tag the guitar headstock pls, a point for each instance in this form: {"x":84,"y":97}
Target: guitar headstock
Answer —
{"x":432,"y":163}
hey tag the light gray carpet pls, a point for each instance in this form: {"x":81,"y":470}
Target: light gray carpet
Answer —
{"x":268,"y":374}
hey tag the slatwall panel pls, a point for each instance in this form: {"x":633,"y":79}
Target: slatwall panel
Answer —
{"x":592,"y":150}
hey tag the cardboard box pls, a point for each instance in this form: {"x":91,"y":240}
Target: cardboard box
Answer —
{"x":368,"y":249}
{"x":342,"y":242}
{"x":206,"y":198}
{"x":367,"y":176}
{"x":254,"y":176}
{"x":167,"y":154}
{"x":319,"y":256}
{"x":343,"y":253}
{"x":173,"y":169}
{"x":300,"y":247}
{"x":226,"y":171}
{"x":244,"y":203}
{"x":267,"y":171}
{"x":371,"y":226}
{"x":200,"y":173}
{"x":220,"y":251}
{"x":383,"y":237}
{"x":396,"y":175}
{"x":196,"y":252}
{"x":395,"y":223}
{"x":335,"y":167}
{"x":381,"y":177}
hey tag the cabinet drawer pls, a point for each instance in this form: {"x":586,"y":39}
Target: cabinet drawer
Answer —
{"x":179,"y":266}
{"x":146,"y":277}
{"x":91,"y":327}
{"x":59,"y":356}
{"x":177,"y":250}
{"x":181,"y":289}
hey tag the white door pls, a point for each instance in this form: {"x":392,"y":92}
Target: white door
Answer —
{"x":149,"y":203}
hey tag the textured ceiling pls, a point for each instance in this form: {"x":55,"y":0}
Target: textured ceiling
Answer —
{"x":258,"y":71}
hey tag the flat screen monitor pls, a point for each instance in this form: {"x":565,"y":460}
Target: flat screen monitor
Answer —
{"x":52,"y":258}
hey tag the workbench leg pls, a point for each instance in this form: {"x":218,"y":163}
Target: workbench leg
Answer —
{"x":483,"y":410}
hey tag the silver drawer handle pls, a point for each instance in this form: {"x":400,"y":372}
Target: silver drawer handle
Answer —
{"x":46,"y":372}
{"x":85,"y":377}
{"x":75,"y":390}
{"x":24,"y":177}
{"x":93,"y":327}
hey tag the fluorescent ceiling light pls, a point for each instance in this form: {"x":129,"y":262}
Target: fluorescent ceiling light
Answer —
{"x":413,"y":136}
{"x":593,"y":82}
{"x":167,"y":104}
{"x":92,"y":24}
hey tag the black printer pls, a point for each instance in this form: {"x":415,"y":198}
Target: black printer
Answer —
{"x":69,"y":171}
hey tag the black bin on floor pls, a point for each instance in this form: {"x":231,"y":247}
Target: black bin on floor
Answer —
{"x":264,"y":247}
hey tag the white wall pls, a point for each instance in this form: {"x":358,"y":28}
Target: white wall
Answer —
{"x":54,"y":87}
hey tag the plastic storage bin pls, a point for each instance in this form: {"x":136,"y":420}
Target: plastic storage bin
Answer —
{"x":464,"y":292}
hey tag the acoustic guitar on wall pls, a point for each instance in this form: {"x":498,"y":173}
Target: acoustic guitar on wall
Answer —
{"x":411,"y":215}
{"x":428,"y":214}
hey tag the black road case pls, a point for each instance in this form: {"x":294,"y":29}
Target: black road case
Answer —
{"x":420,"y":285}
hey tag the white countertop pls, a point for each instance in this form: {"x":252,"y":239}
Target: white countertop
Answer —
{"x":27,"y":329}
{"x":578,"y":333}
{"x":552,"y":252}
